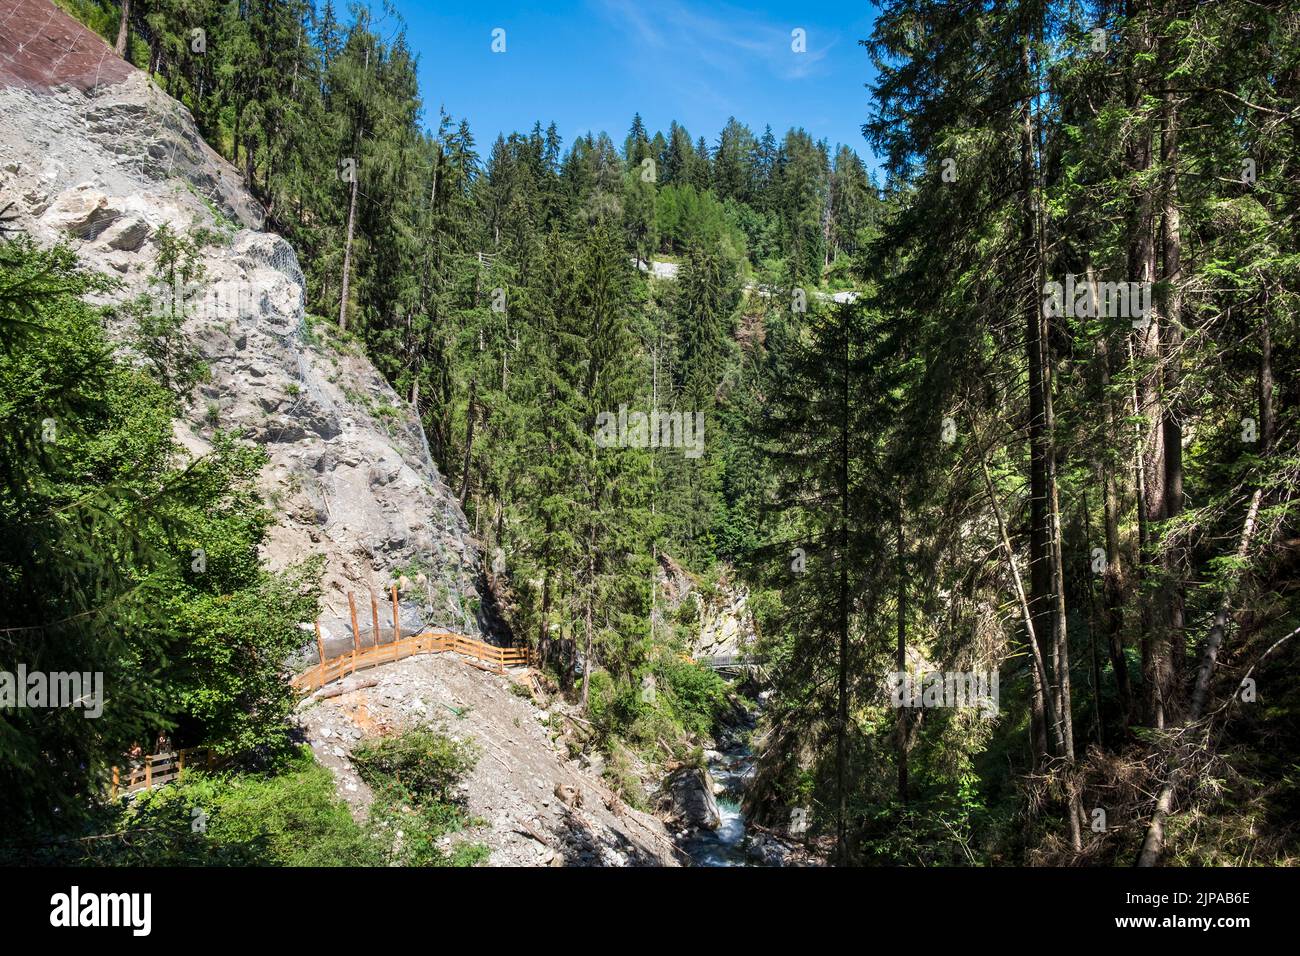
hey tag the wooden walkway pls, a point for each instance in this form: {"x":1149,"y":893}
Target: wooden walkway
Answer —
{"x":430,"y":642}
{"x":330,"y":669}
{"x":158,"y":769}
{"x":733,"y":665}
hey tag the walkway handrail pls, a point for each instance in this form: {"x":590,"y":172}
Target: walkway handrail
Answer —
{"x":154,"y":770}
{"x":429,"y":642}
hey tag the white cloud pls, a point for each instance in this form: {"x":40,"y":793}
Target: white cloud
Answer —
{"x":671,"y":36}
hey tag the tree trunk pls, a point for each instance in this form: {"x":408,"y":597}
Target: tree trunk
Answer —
{"x":1040,"y":548}
{"x":1156,"y":667}
{"x":1171,"y":347}
{"x":591,"y":587}
{"x":123,"y":30}
{"x":1267,"y":415}
{"x":469,"y":443}
{"x":1113,"y":576}
{"x":347,"y":254}
{"x":1092,"y":630}
{"x":900,"y":661}
{"x":841,"y":743}
{"x":544,"y":633}
{"x":1035,"y":649}
{"x":1061,"y":646}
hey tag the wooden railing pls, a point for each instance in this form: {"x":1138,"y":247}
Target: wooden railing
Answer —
{"x":430,"y":642}
{"x":158,"y":769}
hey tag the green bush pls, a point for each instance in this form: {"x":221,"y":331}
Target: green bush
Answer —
{"x":414,"y":777}
{"x":289,"y":818}
{"x":423,"y":762}
{"x":698,"y":695}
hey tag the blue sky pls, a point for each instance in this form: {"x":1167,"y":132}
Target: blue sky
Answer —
{"x":590,"y":64}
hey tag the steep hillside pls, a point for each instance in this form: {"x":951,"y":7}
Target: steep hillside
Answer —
{"x":95,"y":154}
{"x":536,"y":800}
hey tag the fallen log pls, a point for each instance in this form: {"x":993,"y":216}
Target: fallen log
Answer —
{"x":340,"y":691}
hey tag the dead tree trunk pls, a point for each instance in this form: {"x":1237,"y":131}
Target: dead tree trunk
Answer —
{"x":123,"y":30}
{"x":347,"y":253}
{"x":900,"y":661}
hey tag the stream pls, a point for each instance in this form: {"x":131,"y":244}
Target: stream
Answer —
{"x":731,"y":766}
{"x":731,"y":770}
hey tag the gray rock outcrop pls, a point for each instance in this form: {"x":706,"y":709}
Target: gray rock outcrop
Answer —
{"x":104,"y":167}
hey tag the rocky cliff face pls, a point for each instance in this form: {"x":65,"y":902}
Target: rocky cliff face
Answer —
{"x":722,"y":622}
{"x":93,"y":154}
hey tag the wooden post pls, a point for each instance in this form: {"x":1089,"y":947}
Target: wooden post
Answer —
{"x":180,"y":765}
{"x":148,"y":771}
{"x":397,"y":623}
{"x":356,"y":634}
{"x":356,"y":640}
{"x":374,"y":618}
{"x":117,"y":781}
{"x":320,"y":645}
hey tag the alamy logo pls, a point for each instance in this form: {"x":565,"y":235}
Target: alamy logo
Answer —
{"x":21,"y":689}
{"x":946,"y":689}
{"x":1098,"y":300}
{"x":103,"y":909}
{"x":656,"y":430}
{"x":268,"y":302}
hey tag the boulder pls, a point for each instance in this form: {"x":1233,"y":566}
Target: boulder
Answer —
{"x":687,"y":799}
{"x":126,"y":234}
{"x":83,"y":211}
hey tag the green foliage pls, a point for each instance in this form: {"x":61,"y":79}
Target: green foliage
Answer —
{"x":289,"y":817}
{"x":117,"y":560}
{"x":414,"y":777}
{"x":422,"y":763}
{"x":687,"y":217}
{"x":697,"y":695}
